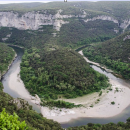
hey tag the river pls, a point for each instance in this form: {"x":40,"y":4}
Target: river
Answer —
{"x":12,"y":82}
{"x":11,"y":78}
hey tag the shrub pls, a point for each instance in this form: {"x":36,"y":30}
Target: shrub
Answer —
{"x":10,"y":122}
{"x":100,"y":93}
{"x":113,"y":103}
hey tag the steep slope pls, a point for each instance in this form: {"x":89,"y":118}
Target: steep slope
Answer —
{"x":114,"y":53}
{"x":72,"y":35}
{"x":55,"y":24}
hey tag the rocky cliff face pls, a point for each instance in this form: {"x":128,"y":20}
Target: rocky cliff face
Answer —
{"x":33,"y":20}
{"x":30,"y":20}
{"x":125,"y":24}
{"x":103,"y":17}
{"x":122,"y":25}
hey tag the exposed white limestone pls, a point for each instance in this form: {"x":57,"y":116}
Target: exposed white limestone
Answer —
{"x":4,"y":39}
{"x":58,"y":23}
{"x":125,"y":24}
{"x":116,"y":30}
{"x":103,"y":17}
{"x":54,"y":34}
{"x":33,"y":20}
{"x":126,"y":37}
{"x":9,"y":35}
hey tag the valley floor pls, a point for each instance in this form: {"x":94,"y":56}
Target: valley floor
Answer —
{"x":94,"y":105}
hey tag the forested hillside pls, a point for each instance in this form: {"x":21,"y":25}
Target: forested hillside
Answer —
{"x":114,"y":53}
{"x":6,"y":56}
{"x":72,"y":35}
{"x":79,"y":33}
{"x":57,"y":72}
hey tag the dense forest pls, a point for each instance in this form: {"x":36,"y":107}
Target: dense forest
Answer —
{"x":59,"y":72}
{"x":6,"y":56}
{"x":78,"y":33}
{"x":114,"y":53}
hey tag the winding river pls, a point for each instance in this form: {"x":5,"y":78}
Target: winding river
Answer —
{"x":12,"y":82}
{"x":12,"y":79}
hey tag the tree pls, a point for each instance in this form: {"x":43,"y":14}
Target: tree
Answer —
{"x":10,"y":122}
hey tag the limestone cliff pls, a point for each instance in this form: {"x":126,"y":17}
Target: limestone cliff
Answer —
{"x":33,"y":20}
{"x":123,"y":25}
{"x":103,"y":17}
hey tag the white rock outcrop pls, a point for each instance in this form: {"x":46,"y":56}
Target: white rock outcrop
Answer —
{"x":126,"y":37}
{"x":33,"y":20}
{"x":125,"y":24}
{"x":122,"y":25}
{"x":4,"y":39}
{"x":103,"y":17}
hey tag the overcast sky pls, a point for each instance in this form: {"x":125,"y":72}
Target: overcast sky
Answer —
{"x":20,"y":1}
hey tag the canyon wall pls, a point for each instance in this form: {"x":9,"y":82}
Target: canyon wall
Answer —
{"x":33,"y":20}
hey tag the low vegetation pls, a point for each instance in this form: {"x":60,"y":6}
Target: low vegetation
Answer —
{"x":59,"y":104}
{"x":113,"y":103}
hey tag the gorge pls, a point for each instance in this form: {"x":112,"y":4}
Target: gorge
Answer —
{"x":68,"y":58}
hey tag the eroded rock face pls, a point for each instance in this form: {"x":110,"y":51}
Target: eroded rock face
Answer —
{"x":125,"y":24}
{"x":33,"y":20}
{"x":126,"y":37}
{"x":30,"y":20}
{"x":122,"y":25}
{"x":103,"y":17}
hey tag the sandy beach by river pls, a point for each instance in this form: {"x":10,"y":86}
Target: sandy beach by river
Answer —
{"x":102,"y":106}
{"x":17,"y":85}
